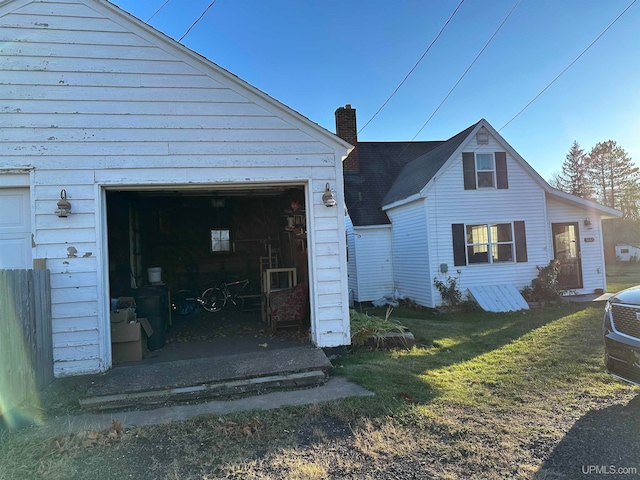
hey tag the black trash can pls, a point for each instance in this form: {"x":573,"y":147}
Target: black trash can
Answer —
{"x":152,"y":303}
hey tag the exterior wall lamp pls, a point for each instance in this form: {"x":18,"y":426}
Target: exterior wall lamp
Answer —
{"x":327,"y":197}
{"x":64,"y":207}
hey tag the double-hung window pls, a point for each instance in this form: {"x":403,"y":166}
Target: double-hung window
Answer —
{"x":485,"y":170}
{"x":489,"y":243}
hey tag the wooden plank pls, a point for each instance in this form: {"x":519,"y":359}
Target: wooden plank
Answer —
{"x":25,"y":335}
{"x":115,"y":94}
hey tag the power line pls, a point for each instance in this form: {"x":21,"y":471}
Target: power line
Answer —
{"x":414,"y":67}
{"x":198,"y":19}
{"x":569,"y":66}
{"x":467,"y":70}
{"x":154,"y":13}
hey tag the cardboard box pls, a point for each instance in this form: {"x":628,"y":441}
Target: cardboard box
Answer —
{"x":129,"y":340}
{"x":124,"y":314}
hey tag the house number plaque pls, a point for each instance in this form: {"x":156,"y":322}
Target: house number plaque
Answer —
{"x":589,"y":239}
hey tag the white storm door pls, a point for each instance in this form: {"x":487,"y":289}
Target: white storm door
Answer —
{"x":15,"y":228}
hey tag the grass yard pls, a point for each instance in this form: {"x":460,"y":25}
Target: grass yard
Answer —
{"x":622,"y":275}
{"x":482,"y":396}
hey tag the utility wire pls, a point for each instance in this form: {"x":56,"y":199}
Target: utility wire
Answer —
{"x":199,"y":18}
{"x":569,"y":66}
{"x":154,"y":13}
{"x":415,"y":66}
{"x":467,"y":70}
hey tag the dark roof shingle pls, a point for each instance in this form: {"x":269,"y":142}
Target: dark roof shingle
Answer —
{"x":391,"y":171}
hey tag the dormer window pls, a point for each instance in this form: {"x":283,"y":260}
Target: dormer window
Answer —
{"x":485,"y":170}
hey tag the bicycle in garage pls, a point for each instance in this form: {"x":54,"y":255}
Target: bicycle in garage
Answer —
{"x":213,"y":299}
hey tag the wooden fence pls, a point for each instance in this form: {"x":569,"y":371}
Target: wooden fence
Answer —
{"x":26,"y":350}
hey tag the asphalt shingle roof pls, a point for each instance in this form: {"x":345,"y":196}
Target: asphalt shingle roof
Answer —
{"x":391,"y":171}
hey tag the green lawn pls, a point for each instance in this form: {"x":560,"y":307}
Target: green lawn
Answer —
{"x":482,"y":396}
{"x":622,"y":275}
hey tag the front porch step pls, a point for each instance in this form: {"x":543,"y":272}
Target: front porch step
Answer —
{"x":153,"y":398}
{"x":148,"y":386}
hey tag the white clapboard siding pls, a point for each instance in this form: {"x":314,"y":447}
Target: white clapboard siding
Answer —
{"x":448,"y":203}
{"x":91,"y":98}
{"x":410,"y":243}
{"x":375,"y":268}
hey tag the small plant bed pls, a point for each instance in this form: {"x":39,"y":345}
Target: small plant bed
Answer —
{"x":379,"y":333}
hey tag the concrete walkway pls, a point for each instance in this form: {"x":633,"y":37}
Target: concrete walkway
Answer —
{"x":334,"y":389}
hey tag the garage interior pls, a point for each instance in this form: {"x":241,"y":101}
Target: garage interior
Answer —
{"x":192,"y":239}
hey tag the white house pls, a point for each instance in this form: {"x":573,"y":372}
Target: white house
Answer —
{"x":470,"y":208}
{"x":166,"y":159}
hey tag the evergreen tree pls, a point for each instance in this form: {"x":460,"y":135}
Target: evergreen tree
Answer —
{"x":573,"y":178}
{"x":614,"y":177}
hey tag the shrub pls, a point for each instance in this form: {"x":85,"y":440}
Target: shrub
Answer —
{"x":449,"y":291}
{"x":545,"y":287}
{"x":364,"y":326}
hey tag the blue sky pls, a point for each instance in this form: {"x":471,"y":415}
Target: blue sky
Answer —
{"x":318,"y":55}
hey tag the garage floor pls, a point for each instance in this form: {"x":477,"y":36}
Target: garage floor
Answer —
{"x":229,"y":332}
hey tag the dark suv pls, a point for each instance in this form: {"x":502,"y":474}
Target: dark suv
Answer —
{"x":621,"y":329}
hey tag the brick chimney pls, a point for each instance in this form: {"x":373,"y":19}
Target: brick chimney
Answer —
{"x":347,"y":130}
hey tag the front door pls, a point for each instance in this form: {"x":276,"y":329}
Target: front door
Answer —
{"x":566,"y":249}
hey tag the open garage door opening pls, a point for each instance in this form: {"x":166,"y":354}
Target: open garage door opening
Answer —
{"x":211,"y":271}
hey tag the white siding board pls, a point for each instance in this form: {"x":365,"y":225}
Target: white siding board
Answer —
{"x":39,"y":35}
{"x":46,"y":50}
{"x":75,"y":324}
{"x":70,"y":235}
{"x":68,"y":9}
{"x":90,"y":135}
{"x":73,"y":294}
{"x":374,"y":269}
{"x":63,"y":353}
{"x":183,"y":112}
{"x":108,"y":93}
{"x":25,"y":19}
{"x":334,"y":339}
{"x":74,"y":309}
{"x":76,"y":220}
{"x":410,"y":247}
{"x":74,"y":280}
{"x":330,"y":300}
{"x":79,"y":338}
{"x":75,"y":367}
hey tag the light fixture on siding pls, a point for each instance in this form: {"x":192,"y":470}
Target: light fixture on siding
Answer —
{"x":327,"y":197}
{"x":587,"y":223}
{"x":64,"y":207}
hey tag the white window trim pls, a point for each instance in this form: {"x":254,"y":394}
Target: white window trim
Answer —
{"x":494,"y":178}
{"x":490,"y":243}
